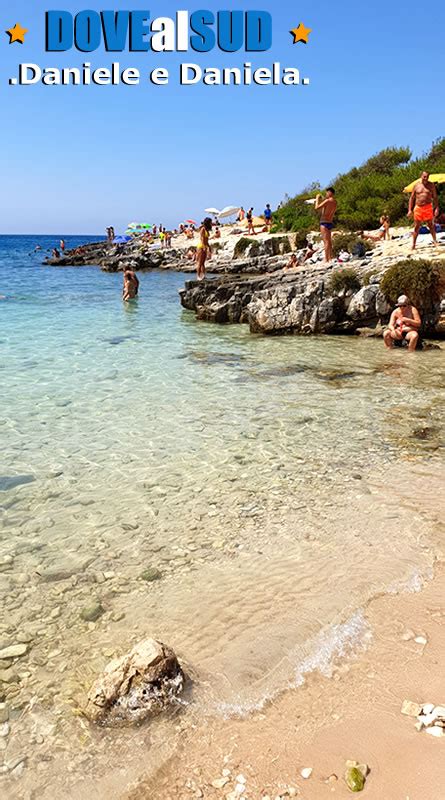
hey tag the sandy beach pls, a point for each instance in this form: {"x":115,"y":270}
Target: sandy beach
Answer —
{"x":351,"y":713}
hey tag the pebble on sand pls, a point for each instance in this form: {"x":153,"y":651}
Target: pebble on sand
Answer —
{"x":410,"y":709}
{"x":306,"y":773}
{"x":354,"y":779}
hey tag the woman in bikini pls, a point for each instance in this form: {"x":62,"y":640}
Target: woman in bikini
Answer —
{"x":203,"y":249}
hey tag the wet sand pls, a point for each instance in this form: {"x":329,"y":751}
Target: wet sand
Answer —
{"x":353,"y":715}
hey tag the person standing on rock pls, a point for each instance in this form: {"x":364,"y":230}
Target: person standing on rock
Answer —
{"x":424,"y":207}
{"x":268,"y":215}
{"x":203,"y":249}
{"x":328,"y":207}
{"x":250,"y":228}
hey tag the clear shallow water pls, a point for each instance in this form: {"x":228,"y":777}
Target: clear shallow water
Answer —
{"x":269,"y":480}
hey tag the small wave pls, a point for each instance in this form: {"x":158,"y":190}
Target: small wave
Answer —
{"x":335,"y":642}
{"x":414,"y":584}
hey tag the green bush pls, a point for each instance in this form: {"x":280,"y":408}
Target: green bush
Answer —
{"x":366,"y":276}
{"x":281,"y":245}
{"x":422,"y":281}
{"x":344,"y":280}
{"x":365,"y":193}
{"x":348,"y":241}
{"x":241,"y":246}
{"x":301,"y":237}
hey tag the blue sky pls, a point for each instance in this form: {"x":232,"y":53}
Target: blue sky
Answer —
{"x":76,"y":159}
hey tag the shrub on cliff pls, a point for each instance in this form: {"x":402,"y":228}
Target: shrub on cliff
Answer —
{"x":365,"y":192}
{"x":349,"y":242}
{"x":241,"y":246}
{"x":422,"y":281}
{"x":344,"y":280}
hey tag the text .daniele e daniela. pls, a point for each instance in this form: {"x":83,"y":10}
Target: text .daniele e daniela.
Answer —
{"x":189,"y":74}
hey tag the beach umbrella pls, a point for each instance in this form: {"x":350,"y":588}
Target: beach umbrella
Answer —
{"x":139,"y":226}
{"x":190,"y":222}
{"x":122,"y":239}
{"x":229,"y":211}
{"x":437,"y":178}
{"x":256,"y":222}
{"x":213,"y":211}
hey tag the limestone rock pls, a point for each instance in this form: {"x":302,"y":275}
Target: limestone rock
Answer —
{"x":136,"y":686}
{"x":13,"y":651}
{"x":363,"y":304}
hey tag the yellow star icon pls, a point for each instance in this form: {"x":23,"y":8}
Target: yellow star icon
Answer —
{"x":17,"y":33}
{"x":301,"y":34}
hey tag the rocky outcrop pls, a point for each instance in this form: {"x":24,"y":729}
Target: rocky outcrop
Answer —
{"x":259,"y":257}
{"x":298,"y":301}
{"x":139,"y":685}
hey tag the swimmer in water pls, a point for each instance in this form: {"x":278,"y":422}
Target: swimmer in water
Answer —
{"x":131,"y":286}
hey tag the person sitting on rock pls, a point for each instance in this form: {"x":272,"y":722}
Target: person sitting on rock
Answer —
{"x":292,"y":263}
{"x":404,"y":325}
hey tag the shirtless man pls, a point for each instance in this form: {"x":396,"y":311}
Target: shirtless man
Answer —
{"x":405,"y":323}
{"x":424,"y":205}
{"x":328,"y":207}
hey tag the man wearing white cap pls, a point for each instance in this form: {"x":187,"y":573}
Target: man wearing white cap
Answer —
{"x":404,"y":325}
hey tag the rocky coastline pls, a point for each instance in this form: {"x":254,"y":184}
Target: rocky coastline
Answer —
{"x":249,"y":283}
{"x":301,"y":301}
{"x":258,"y":257}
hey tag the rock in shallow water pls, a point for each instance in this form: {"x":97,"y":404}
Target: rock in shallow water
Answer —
{"x":140,"y":684}
{"x":14,"y":651}
{"x":92,"y":612}
{"x":151,"y":574}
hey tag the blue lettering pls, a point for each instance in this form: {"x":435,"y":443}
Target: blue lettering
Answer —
{"x":258,"y":31}
{"x":59,"y":31}
{"x":138,"y":31}
{"x":230,"y":30}
{"x":87,"y":31}
{"x":205,"y":39}
{"x":115,"y":28}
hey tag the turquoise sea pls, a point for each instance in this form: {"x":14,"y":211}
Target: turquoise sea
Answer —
{"x":276,"y":484}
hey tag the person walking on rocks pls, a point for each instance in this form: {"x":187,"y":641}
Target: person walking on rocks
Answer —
{"x":424,"y":207}
{"x":203,"y":250}
{"x":268,"y":215}
{"x":328,"y":207}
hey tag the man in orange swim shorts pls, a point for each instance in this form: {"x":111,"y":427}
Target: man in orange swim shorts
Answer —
{"x":424,"y":205}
